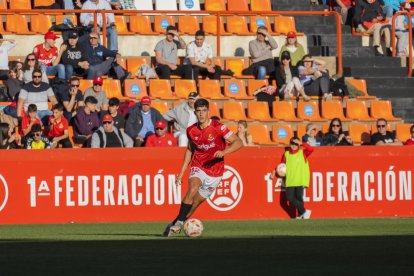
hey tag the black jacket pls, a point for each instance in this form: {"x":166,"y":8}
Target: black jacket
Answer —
{"x":281,"y":79}
{"x":367,"y":12}
{"x":135,"y":121}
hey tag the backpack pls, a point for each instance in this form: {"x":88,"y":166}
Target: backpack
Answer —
{"x":338,"y":87}
{"x":101,"y":140}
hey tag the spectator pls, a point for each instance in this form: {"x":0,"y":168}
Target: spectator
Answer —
{"x":383,"y":137}
{"x":73,"y":57}
{"x":71,"y":98}
{"x":294,"y":48}
{"x":314,"y":77}
{"x":410,"y":141}
{"x":243,"y":133}
{"x":311,"y":137}
{"x":58,"y":128}
{"x":7,"y":138}
{"x":86,"y":122}
{"x":161,"y":138}
{"x":166,"y":56}
{"x":391,"y":6}
{"x":344,"y":7}
{"x":287,"y":79}
{"x":183,"y":116}
{"x":30,"y":63}
{"x":97,"y":92}
{"x":38,"y":93}
{"x":119,"y":120}
{"x":108,"y":136}
{"x":335,"y":135}
{"x":49,"y":57}
{"x":14,"y":84}
{"x":37,"y":140}
{"x":115,"y":4}
{"x":401,"y":28}
{"x":87,"y":20}
{"x":261,"y":53}
{"x":141,"y":121}
{"x":28,"y":121}
{"x":200,"y":57}
{"x":4,"y":56}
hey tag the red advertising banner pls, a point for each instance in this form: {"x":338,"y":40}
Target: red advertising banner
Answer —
{"x":131,"y":185}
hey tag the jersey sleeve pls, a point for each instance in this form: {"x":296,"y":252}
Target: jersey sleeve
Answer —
{"x":224,"y":131}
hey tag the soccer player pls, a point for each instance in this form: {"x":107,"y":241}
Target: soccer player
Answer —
{"x":205,"y":151}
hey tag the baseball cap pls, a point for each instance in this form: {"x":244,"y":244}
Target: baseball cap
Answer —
{"x":107,"y":118}
{"x":97,"y":80}
{"x":146,"y":100}
{"x":193,"y":95}
{"x":405,"y":6}
{"x":291,"y":34}
{"x":160,"y":124}
{"x":51,"y":35}
{"x":285,"y":55}
{"x":73,"y":34}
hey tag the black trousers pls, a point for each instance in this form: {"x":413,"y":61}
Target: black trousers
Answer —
{"x":4,"y":74}
{"x":295,"y":196}
{"x":197,"y":71}
{"x":65,"y":143}
{"x":319,"y":86}
{"x":164,"y":72}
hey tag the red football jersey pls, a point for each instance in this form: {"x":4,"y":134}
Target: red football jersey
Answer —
{"x":44,"y":56}
{"x":58,"y":128}
{"x":167,"y":141}
{"x":206,"y":142}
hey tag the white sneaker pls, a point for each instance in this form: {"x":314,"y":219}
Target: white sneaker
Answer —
{"x":176,"y":228}
{"x":299,"y":217}
{"x":307,"y":214}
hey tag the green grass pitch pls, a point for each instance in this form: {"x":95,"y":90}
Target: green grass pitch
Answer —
{"x":266,"y":247}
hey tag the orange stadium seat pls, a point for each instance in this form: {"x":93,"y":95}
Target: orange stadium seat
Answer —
{"x":59,"y":18}
{"x":121,"y":25}
{"x":210,"y":89}
{"x":260,"y":5}
{"x":210,"y":25}
{"x":237,"y":25}
{"x":214,"y":5}
{"x":260,"y":134}
{"x":161,"y":89}
{"x":234,"y":111}
{"x":285,"y":24}
{"x":253,"y":85}
{"x":2,"y":30}
{"x":402,"y":132}
{"x":135,"y":89}
{"x":300,"y":130}
{"x":113,"y":88}
{"x":237,"y":5}
{"x":361,"y":85}
{"x":285,"y":111}
{"x":235,"y":88}
{"x":259,"y":111}
{"x":17,"y":24}
{"x":183,"y":87}
{"x":383,"y":109}
{"x":236,"y":65}
{"x":333,"y":109}
{"x":214,"y":110}
{"x":259,"y":21}
{"x":134,"y":63}
{"x":161,"y":22}
{"x":38,"y":3}
{"x":162,"y":107}
{"x":359,"y":133}
{"x":188,"y":24}
{"x":3,"y":4}
{"x":233,"y":128}
{"x":121,"y":61}
{"x":281,"y":133}
{"x":40,"y":23}
{"x":85,"y":84}
{"x":141,"y":24}
{"x":20,"y":5}
{"x":309,"y":111}
{"x":357,"y":110}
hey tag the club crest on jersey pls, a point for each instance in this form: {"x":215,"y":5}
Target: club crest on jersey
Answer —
{"x":210,"y":137}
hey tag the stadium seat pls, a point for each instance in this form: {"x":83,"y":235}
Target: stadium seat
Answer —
{"x":237,"y":5}
{"x":260,"y":5}
{"x":235,"y":89}
{"x":285,"y":24}
{"x":309,"y":111}
{"x":183,"y":87}
{"x":161,"y":89}
{"x":359,"y":133}
{"x":236,"y":65}
{"x":383,"y":109}
{"x":357,"y":110}
{"x":233,"y":128}
{"x":214,"y":110}
{"x":161,"y":106}
{"x":3,"y":4}
{"x":121,"y":25}
{"x":281,"y":133}
{"x":59,"y":18}
{"x":135,"y":89}
{"x":402,"y":132}
{"x":40,"y":23}
{"x":260,"y":134}
{"x":2,"y":30}
{"x":300,"y":130}
{"x":144,"y":5}
{"x":333,"y":109}
{"x":285,"y":111}
{"x":253,"y":85}
{"x":234,"y":111}
{"x":210,"y":25}
{"x":361,"y":85}
{"x":161,"y":22}
{"x":17,"y":24}
{"x":113,"y":88}
{"x":259,"y":111}
{"x":193,"y":5}
{"x":134,"y":63}
{"x":375,"y":129}
{"x":214,"y":5}
{"x":20,"y":5}
{"x":237,"y":25}
{"x":38,"y":3}
{"x":259,"y":21}
{"x":141,"y":24}
{"x":166,"y":5}
{"x":188,"y":24}
{"x":85,"y":84}
{"x":210,"y":89}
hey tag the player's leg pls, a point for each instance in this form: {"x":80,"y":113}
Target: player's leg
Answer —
{"x":198,"y":199}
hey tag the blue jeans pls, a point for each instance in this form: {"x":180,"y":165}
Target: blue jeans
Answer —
{"x":53,"y":70}
{"x":388,"y":11}
{"x":44,"y":115}
{"x":70,"y":69}
{"x":261,"y":73}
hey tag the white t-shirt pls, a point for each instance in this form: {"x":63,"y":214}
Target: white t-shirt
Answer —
{"x":192,"y":119}
{"x":4,"y":55}
{"x":200,"y":54}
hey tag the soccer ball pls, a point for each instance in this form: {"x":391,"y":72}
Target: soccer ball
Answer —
{"x":281,"y":169}
{"x":193,"y":227}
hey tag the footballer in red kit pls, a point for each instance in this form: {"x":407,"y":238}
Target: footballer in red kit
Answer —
{"x":205,"y":155}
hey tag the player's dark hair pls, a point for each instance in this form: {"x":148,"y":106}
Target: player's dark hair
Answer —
{"x":32,"y":108}
{"x":36,"y":128}
{"x":91,"y":100}
{"x":201,"y":103}
{"x":382,"y":120}
{"x":200,"y":33}
{"x":58,"y":106}
{"x":113,"y":101}
{"x":171,"y":28}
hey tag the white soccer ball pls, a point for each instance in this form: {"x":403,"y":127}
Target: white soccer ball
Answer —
{"x":281,"y":169}
{"x":193,"y":227}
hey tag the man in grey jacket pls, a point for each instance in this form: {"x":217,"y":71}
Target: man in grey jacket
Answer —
{"x":108,"y":136}
{"x":183,"y":116}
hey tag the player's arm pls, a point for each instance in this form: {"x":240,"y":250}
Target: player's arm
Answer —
{"x":235,"y":143}
{"x":188,"y":155}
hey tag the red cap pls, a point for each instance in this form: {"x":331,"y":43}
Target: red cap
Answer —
{"x":291,"y":34}
{"x":146,"y":100}
{"x":97,"y":80}
{"x":107,"y":118}
{"x":160,"y":124}
{"x":51,"y":35}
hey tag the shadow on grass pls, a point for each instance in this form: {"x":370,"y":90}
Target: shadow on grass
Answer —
{"x":303,"y":255}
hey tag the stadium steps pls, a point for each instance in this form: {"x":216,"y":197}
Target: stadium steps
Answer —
{"x":403,"y":107}
{"x":296,"y":5}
